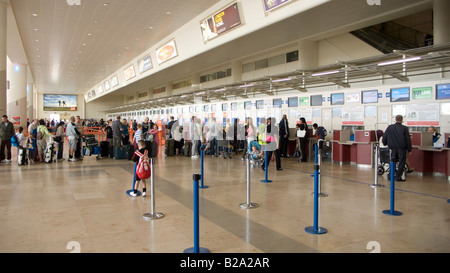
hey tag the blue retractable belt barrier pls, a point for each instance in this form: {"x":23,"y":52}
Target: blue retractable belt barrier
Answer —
{"x":392,"y":211}
{"x":134,"y":182}
{"x":266,"y":160}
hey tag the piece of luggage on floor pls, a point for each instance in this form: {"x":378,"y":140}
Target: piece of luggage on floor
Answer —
{"x":130,"y":151}
{"x":96,"y":150}
{"x":50,"y":152}
{"x":170,"y":147}
{"x":22,"y":157}
{"x":154,"y":150}
{"x":187,"y":148}
{"x":120,"y":152}
{"x":104,"y":148}
{"x":87,"y":151}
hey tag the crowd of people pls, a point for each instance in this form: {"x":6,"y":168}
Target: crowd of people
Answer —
{"x":190,"y":139}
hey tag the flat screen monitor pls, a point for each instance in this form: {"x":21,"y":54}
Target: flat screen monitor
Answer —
{"x":293,"y":102}
{"x":400,"y":94}
{"x":260,"y":104}
{"x":337,"y":99}
{"x":316,"y":100}
{"x":443,"y":91}
{"x":224,"y":107}
{"x":277,"y":103}
{"x":370,"y":96}
{"x":247,"y":105}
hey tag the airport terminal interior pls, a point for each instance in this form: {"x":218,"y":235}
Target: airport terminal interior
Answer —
{"x":349,"y":66}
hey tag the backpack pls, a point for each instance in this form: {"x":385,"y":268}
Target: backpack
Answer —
{"x":321,"y":132}
{"x":39,"y":135}
{"x":15,"y":141}
{"x":143,"y":167}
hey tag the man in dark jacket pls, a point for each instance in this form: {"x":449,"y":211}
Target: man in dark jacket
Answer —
{"x":284,"y":136}
{"x":6,"y":133}
{"x":397,"y":138}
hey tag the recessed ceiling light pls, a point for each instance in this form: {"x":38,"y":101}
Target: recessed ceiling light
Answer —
{"x":35,"y":15}
{"x":84,"y":44}
{"x":89,"y":34}
{"x":105,"y":4}
{"x":168,"y":13}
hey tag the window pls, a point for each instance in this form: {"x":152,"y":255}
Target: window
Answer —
{"x":292,"y":56}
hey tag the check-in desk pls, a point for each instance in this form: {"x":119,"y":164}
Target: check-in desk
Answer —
{"x":426,"y":159}
{"x":358,"y":152}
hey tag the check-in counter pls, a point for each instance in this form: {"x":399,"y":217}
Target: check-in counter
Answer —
{"x":358,"y":152}
{"x":426,"y":159}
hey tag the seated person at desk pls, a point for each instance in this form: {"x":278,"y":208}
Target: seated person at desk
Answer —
{"x":436,"y":135}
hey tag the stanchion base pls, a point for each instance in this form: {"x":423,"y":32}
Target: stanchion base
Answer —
{"x":312,"y":230}
{"x":130,"y":191}
{"x":201,"y":250}
{"x":377,"y":186}
{"x":151,"y":216}
{"x":393,"y":213}
{"x":248,"y":206}
{"x":203,"y":187}
{"x":266,"y":181}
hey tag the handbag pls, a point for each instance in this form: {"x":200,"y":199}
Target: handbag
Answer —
{"x":301,"y":133}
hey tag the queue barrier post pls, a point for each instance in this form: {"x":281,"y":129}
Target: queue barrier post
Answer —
{"x":392,"y":211}
{"x":134,"y":182}
{"x":266,"y":160}
{"x":196,"y":248}
{"x":152,"y":214}
{"x":248,"y":205}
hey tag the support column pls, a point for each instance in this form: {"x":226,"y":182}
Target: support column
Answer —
{"x":17,"y":93}
{"x":308,"y":55}
{"x":441,"y":21}
{"x":3,"y":58}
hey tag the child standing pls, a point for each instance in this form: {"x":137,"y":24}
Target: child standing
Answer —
{"x":136,"y":157}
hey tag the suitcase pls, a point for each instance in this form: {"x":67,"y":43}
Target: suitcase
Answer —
{"x":49,"y":154}
{"x":104,"y":148}
{"x":170,"y":147}
{"x":154,"y":150}
{"x":188,"y":148}
{"x":87,"y":151}
{"x":130,"y":151}
{"x":22,"y":157}
{"x":96,"y":150}
{"x":120,"y":152}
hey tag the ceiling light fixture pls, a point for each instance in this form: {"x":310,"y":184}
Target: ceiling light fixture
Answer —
{"x":400,"y":61}
{"x":325,"y":73}
{"x":282,"y":80}
{"x":247,"y":85}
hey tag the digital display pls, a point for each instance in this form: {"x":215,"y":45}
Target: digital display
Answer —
{"x":129,"y":72}
{"x":221,"y":22}
{"x":144,"y":64}
{"x":370,"y":96}
{"x":60,"y":102}
{"x":400,"y":94}
{"x":273,"y":4}
{"x":277,"y":103}
{"x":316,"y":100}
{"x":166,"y":52}
{"x":293,"y":102}
{"x":248,"y":105}
{"x":260,"y":104}
{"x":442,"y":91}
{"x":337,"y":99}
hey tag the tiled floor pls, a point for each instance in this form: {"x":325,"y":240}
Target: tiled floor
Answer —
{"x":47,"y":207}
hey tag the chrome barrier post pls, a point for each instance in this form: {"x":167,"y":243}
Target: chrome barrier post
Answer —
{"x":196,"y":248}
{"x":248,"y":205}
{"x":152,"y":214}
{"x":315,"y":229}
{"x":375,"y":185}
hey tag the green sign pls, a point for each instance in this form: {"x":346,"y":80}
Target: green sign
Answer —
{"x":303,"y":101}
{"x":422,"y":93}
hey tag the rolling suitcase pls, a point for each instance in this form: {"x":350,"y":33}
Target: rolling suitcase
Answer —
{"x":154,"y":150}
{"x":120,"y":152}
{"x":188,"y":148}
{"x":130,"y":151}
{"x":104,"y":148}
{"x":22,"y":157}
{"x":49,"y":154}
{"x":170,"y":147}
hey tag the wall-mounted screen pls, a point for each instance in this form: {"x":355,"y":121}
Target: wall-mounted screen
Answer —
{"x":277,"y":103}
{"x":220,"y":22}
{"x":129,"y":72}
{"x":442,"y":91}
{"x":247,"y":105}
{"x":293,"y":102}
{"x":337,"y":99}
{"x":400,"y":94}
{"x":260,"y":104}
{"x":369,"y":96}
{"x":224,"y":107}
{"x":60,"y":102}
{"x":166,"y":52}
{"x":316,"y":100}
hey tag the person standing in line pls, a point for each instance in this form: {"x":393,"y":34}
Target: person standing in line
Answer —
{"x":73,"y":137}
{"x":302,"y":135}
{"x":41,"y":136}
{"x":213,"y":137}
{"x":60,"y":135}
{"x":272,"y":143}
{"x":79,"y":126}
{"x":397,"y":138}
{"x":284,"y":136}
{"x":117,"y":132}
{"x":7,"y":131}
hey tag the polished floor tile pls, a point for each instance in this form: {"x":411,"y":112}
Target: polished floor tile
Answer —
{"x":48,"y":207}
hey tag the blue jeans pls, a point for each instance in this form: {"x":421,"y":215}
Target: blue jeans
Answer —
{"x":213,"y":144}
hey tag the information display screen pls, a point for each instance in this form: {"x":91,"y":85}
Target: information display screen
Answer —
{"x":443,"y":91}
{"x":220,"y":22}
{"x":337,"y":99}
{"x":370,"y":96}
{"x":60,"y":102}
{"x":400,"y":94}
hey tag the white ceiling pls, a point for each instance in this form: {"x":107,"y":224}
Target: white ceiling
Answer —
{"x":72,"y":48}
